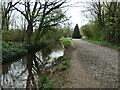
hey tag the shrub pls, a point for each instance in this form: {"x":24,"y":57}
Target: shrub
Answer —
{"x":66,"y":42}
{"x":86,"y":31}
{"x":12,"y":49}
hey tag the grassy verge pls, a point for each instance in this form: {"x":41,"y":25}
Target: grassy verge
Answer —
{"x":63,"y":65}
{"x":103,"y":43}
{"x":14,"y":50}
{"x":59,"y":68}
{"x":46,"y":81}
{"x":66,"y":41}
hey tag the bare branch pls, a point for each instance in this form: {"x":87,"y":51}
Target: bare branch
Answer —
{"x":57,"y":6}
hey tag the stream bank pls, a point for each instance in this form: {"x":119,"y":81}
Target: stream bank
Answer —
{"x":62,"y":75}
{"x":25,"y":72}
{"x":16,"y":50}
{"x":36,"y":69}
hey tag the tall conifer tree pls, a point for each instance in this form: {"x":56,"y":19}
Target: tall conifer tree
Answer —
{"x":76,"y":33}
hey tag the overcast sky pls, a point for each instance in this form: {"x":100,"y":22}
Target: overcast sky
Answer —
{"x":77,"y":16}
{"x":75,"y":11}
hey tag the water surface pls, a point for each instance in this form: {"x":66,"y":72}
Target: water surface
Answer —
{"x":24,"y":73}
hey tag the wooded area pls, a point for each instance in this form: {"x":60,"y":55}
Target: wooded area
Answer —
{"x":105,"y":25}
{"x":36,"y":17}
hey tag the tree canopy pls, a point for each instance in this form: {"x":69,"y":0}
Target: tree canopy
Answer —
{"x":106,"y":23}
{"x":39,"y":16}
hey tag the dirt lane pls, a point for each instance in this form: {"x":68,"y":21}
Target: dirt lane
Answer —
{"x":92,"y":66}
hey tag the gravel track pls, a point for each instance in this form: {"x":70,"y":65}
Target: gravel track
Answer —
{"x":92,"y":66}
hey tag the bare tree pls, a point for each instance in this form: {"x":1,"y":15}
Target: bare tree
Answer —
{"x":6,"y":11}
{"x":37,"y":12}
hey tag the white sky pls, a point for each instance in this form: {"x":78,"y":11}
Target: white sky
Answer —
{"x":75,"y":11}
{"x":78,"y":17}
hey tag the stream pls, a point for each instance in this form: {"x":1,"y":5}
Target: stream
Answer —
{"x":24,"y":73}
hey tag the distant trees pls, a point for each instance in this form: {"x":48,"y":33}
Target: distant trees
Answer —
{"x":67,"y":29}
{"x":56,"y":32}
{"x":85,"y":30}
{"x":106,"y":23}
{"x":39,"y":16}
{"x":76,"y":33}
{"x":6,"y":11}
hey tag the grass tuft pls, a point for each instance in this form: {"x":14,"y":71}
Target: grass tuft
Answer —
{"x":63,"y":65}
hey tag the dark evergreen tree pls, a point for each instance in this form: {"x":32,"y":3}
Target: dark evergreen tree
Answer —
{"x":76,"y":33}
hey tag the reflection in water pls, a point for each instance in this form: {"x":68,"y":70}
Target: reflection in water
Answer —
{"x":24,"y":73}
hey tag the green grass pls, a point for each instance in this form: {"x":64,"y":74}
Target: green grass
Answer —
{"x":45,"y":83}
{"x":63,"y":65}
{"x":66,"y":41}
{"x":61,"y":58}
{"x":103,"y":43}
{"x":49,"y":84}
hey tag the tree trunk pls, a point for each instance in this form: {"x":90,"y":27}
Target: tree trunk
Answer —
{"x":3,"y":23}
{"x":29,"y":32}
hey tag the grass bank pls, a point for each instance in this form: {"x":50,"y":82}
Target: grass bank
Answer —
{"x":62,"y":77}
{"x":64,"y":64}
{"x":15,"y":50}
{"x":114,"y":46}
{"x":49,"y":80}
{"x":60,"y":67}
